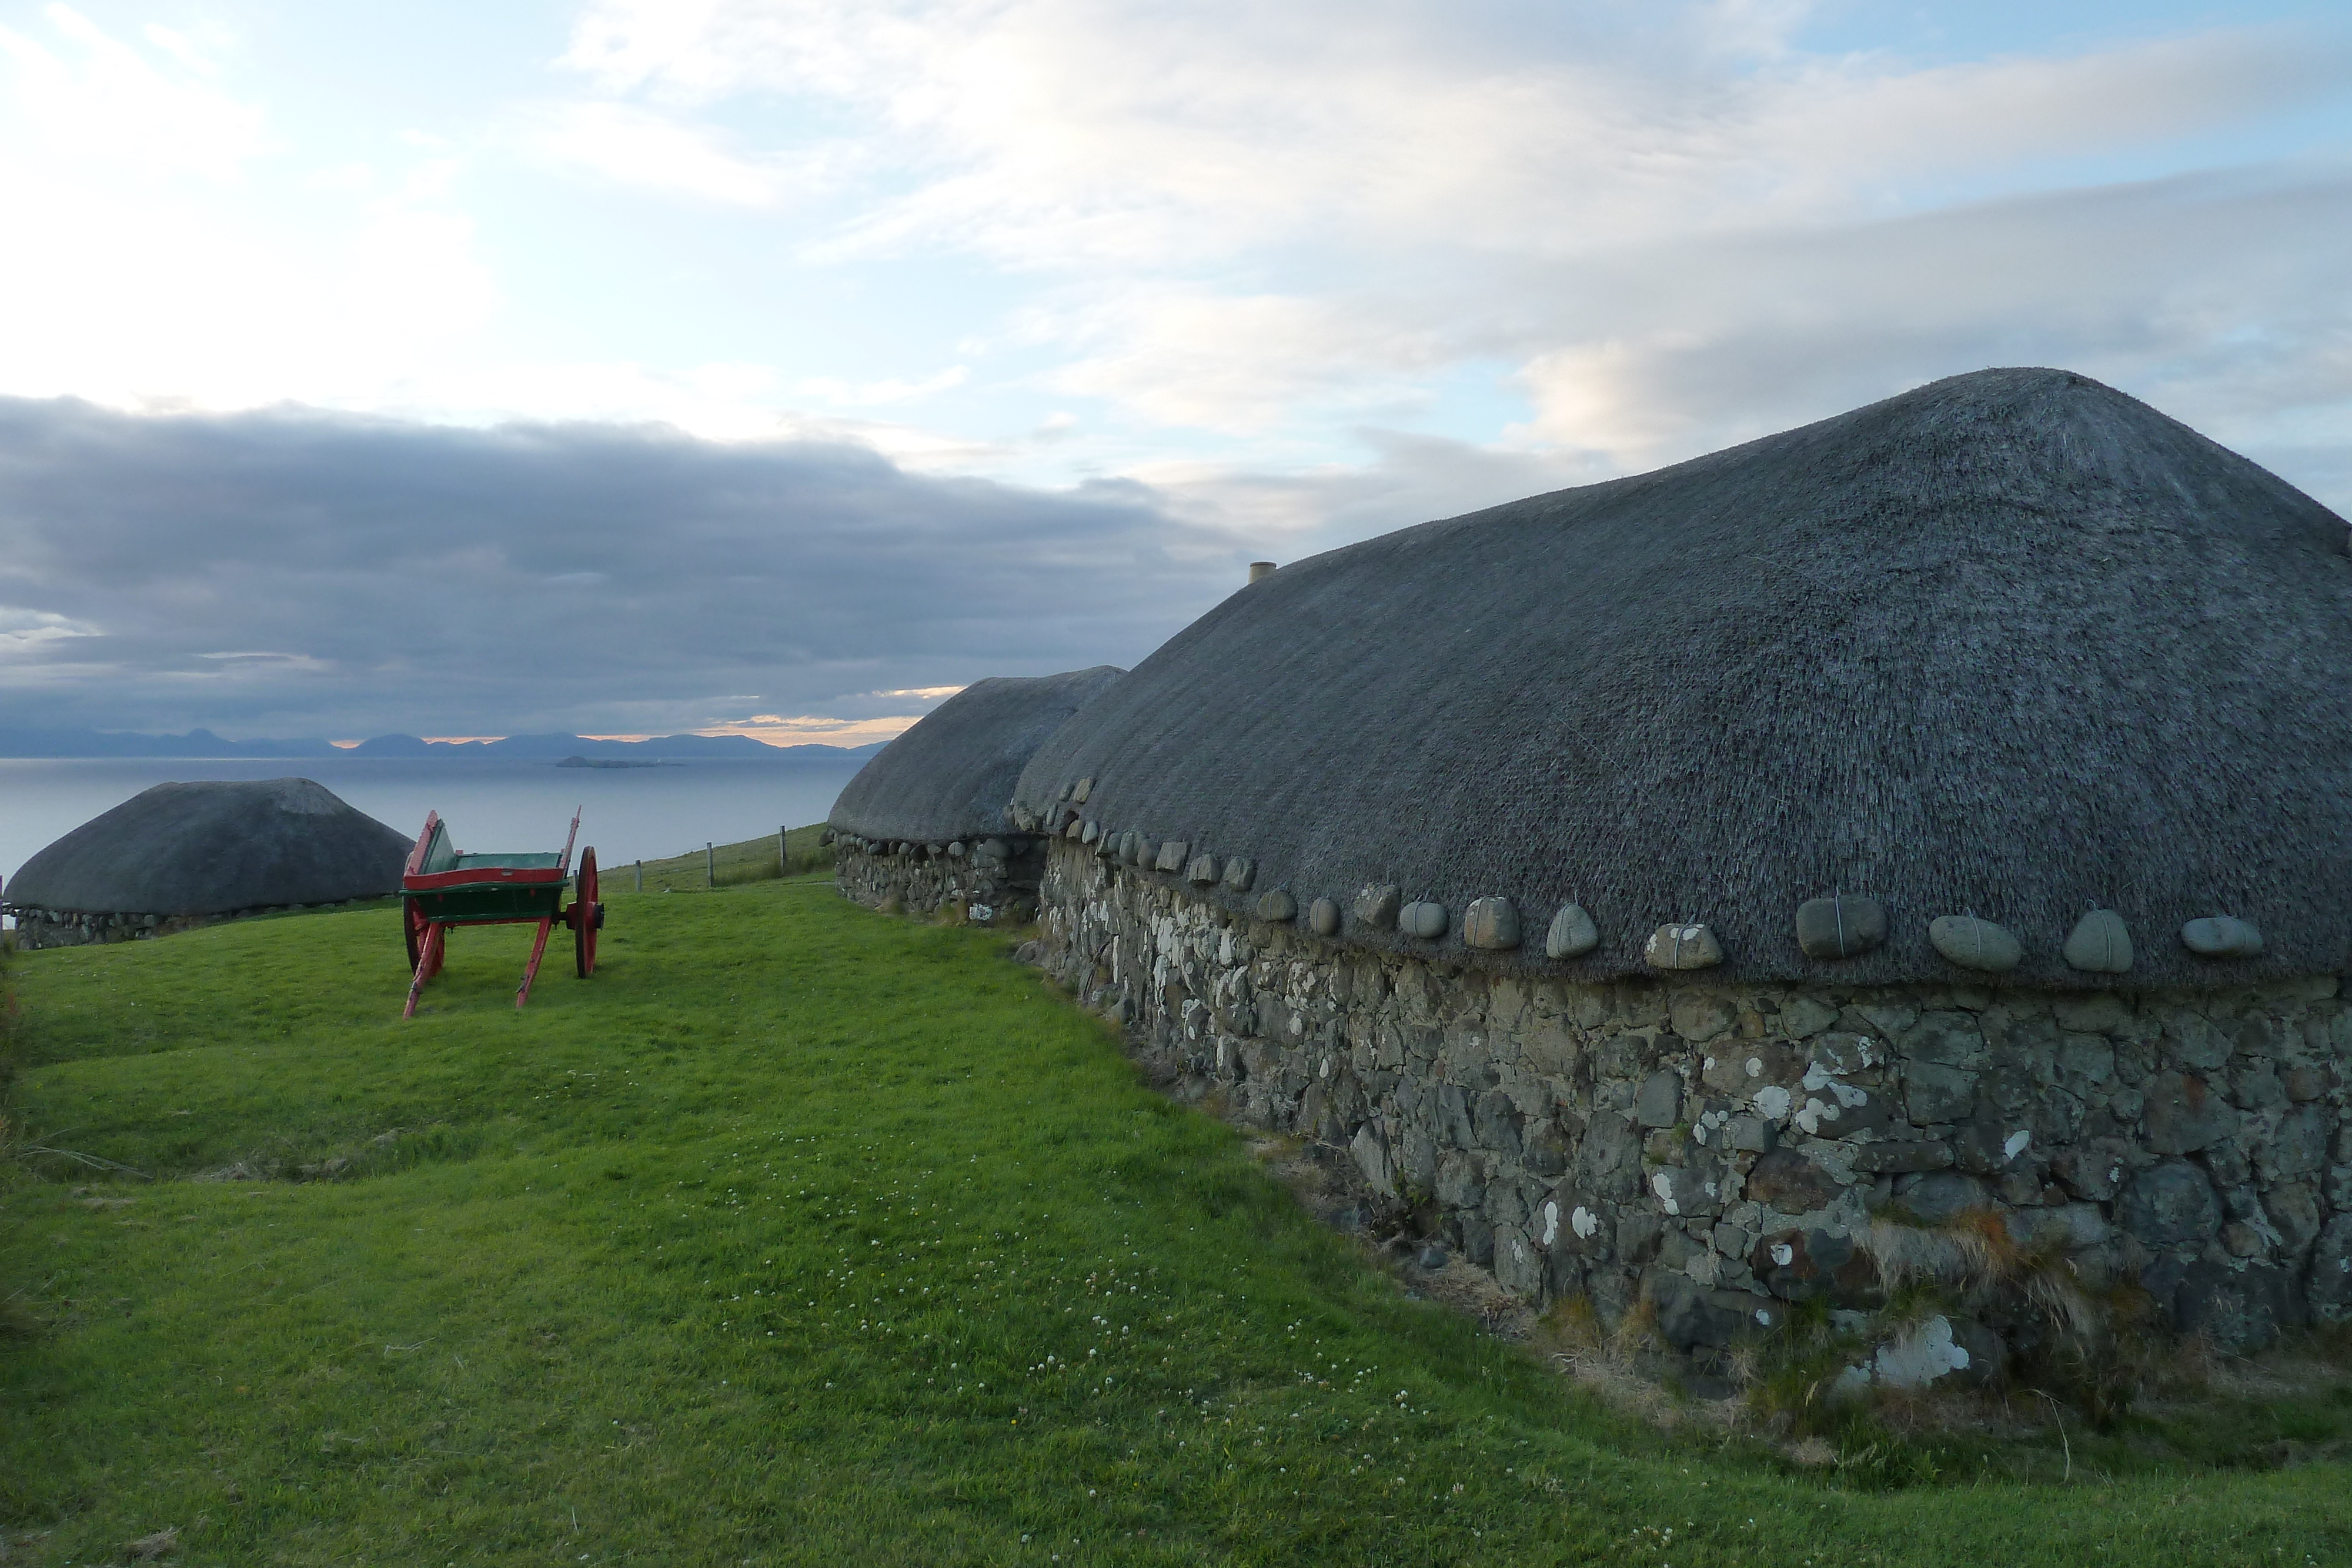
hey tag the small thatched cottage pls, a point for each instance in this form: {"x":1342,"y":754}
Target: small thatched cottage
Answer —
{"x":924,"y":823}
{"x":1710,"y":889}
{"x":181,"y":855}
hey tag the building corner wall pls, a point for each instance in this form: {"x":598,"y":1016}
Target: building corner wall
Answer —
{"x":1723,"y":1152}
{"x":993,"y":880}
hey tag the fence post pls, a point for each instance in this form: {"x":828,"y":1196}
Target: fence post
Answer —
{"x":641,"y":876}
{"x":709,"y":865}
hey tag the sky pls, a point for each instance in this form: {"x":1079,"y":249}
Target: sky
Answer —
{"x":781,"y":365}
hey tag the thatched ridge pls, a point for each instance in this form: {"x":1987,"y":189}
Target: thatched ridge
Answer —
{"x":951,"y":775}
{"x":213,"y":848}
{"x":2012,"y":645}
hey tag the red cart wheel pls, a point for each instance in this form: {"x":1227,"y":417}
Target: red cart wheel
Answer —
{"x":413,"y":925}
{"x":586,"y":914}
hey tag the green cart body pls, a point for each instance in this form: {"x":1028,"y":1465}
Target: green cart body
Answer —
{"x":442,"y":887}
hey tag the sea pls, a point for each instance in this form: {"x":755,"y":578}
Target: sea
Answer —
{"x":491,"y":806}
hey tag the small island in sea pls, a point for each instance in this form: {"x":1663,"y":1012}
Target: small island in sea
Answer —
{"x":612,"y":762}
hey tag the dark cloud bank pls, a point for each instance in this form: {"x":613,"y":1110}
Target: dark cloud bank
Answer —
{"x":299,"y":572}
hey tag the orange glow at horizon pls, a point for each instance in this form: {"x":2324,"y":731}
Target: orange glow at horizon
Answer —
{"x":769,"y":729}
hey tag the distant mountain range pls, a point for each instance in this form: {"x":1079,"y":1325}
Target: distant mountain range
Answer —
{"x":93,"y":742}
{"x":196,"y":743}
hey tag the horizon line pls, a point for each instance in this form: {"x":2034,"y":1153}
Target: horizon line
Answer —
{"x":768,"y":738}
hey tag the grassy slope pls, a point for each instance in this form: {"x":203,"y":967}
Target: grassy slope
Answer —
{"x":801,"y":1234}
{"x":753,"y":860}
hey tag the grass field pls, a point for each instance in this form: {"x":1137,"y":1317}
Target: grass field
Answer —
{"x":800,"y":1233}
{"x":726,"y":865}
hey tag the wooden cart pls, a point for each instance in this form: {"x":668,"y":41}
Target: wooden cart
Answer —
{"x":441,"y":886}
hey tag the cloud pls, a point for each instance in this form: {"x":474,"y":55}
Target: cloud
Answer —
{"x":636,"y":146}
{"x":1071,"y":133}
{"x":98,"y":101}
{"x":293,"y":571}
{"x":870,"y":395}
{"x":2210,"y":296}
{"x":1233,"y":228}
{"x":1410,"y":479}
{"x":1676,"y":226}
{"x":820,"y":729}
{"x":1295,"y":272}
{"x":1244,"y":364}
{"x":25,"y":633}
{"x":145,"y":263}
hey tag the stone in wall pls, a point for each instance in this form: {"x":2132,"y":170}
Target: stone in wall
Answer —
{"x":44,"y":928}
{"x":997,"y":875}
{"x":1720,"y":1150}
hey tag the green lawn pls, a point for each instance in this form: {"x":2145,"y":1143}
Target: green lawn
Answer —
{"x":752,"y":860}
{"x":800,"y":1233}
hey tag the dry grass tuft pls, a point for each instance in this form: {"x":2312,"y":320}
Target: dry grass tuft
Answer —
{"x":1975,"y":1257}
{"x":1611,"y":1364}
{"x":1576,"y":1323}
{"x":148,"y":1548}
{"x":1637,"y":1331}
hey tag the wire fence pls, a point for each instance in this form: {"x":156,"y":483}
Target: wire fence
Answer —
{"x":785,"y":852}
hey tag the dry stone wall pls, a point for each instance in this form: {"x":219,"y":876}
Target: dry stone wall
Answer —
{"x":40,"y":928}
{"x":1720,"y":1152}
{"x":994,"y":879}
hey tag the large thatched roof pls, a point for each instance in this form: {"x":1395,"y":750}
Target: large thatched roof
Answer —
{"x":2012,"y":644}
{"x":210,"y":848}
{"x":951,"y":775}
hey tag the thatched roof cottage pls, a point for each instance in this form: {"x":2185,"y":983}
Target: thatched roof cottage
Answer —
{"x":1937,"y":814}
{"x":924,"y":820}
{"x":180,"y":855}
